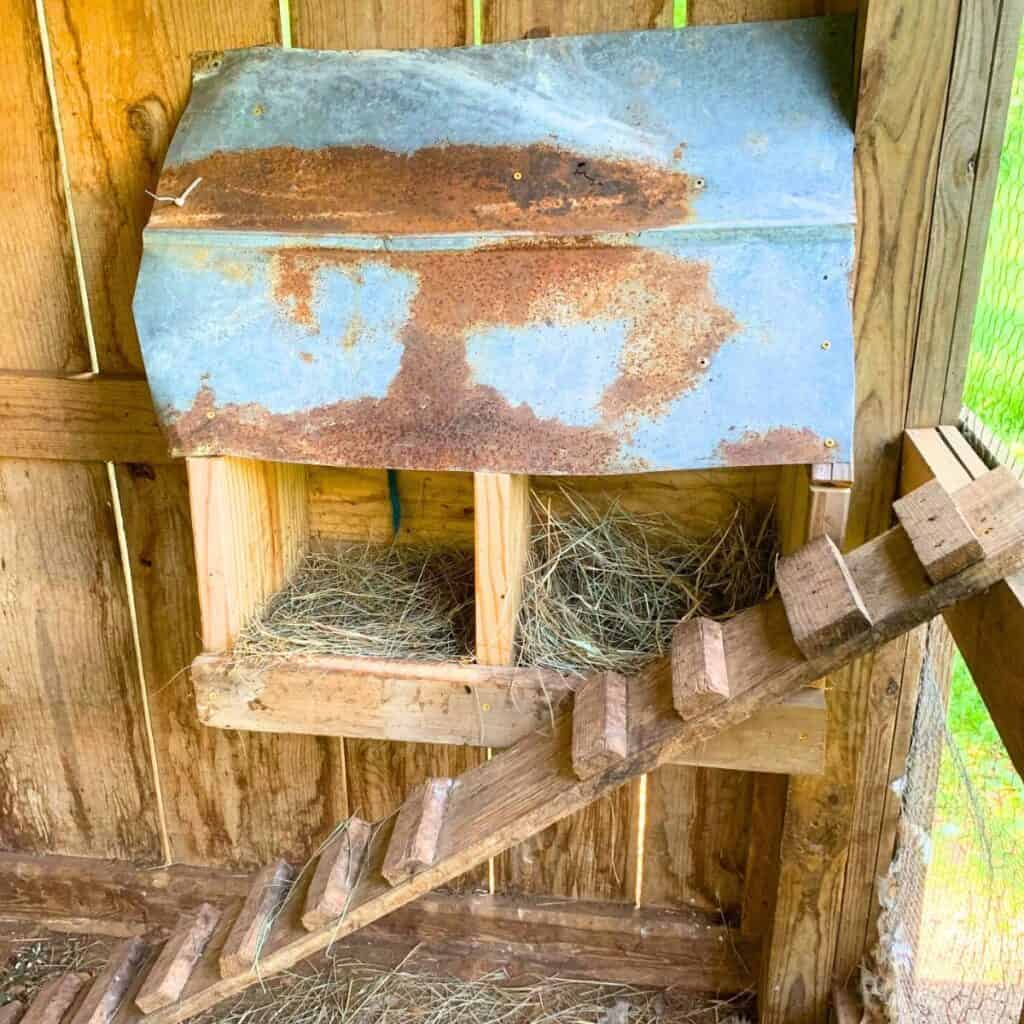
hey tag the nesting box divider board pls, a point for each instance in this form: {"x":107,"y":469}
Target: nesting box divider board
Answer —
{"x":525,"y":789}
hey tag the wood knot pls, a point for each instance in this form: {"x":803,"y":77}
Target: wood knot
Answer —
{"x":148,"y":120}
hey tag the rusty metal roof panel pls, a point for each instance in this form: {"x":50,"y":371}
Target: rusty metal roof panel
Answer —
{"x":582,"y":255}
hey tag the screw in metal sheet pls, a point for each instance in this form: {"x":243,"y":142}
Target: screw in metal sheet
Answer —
{"x":210,"y":415}
{"x":826,"y":345}
{"x":257,"y":111}
{"x":699,"y":182}
{"x":830,"y":442}
{"x":703,"y":362}
{"x":485,"y":707}
{"x":517,"y":175}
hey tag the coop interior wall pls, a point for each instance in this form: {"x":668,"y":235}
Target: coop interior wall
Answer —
{"x":98,"y":602}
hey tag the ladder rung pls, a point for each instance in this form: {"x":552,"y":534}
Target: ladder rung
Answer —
{"x":254,"y":920}
{"x":822,"y":602}
{"x":110,"y":986}
{"x":699,"y":676}
{"x":54,"y":998}
{"x":336,"y":873}
{"x":10,"y":1013}
{"x":939,"y":534}
{"x":169,"y":975}
{"x":413,"y":844}
{"x":600,"y":737}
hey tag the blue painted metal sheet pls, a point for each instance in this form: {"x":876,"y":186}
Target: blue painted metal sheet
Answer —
{"x":581,"y":255}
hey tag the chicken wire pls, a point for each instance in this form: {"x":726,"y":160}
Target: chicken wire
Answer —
{"x":950,"y":946}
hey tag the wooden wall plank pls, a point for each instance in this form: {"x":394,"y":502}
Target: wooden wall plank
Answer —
{"x":344,"y":25}
{"x":716,"y":12}
{"x":232,"y":798}
{"x":122,"y":79}
{"x":907,"y":53}
{"x":74,"y":773}
{"x":521,"y":19}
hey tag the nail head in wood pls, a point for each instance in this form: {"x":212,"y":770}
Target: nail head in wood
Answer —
{"x":942,"y":539}
{"x":821,"y":599}
{"x":699,"y":676}
{"x":414,"y":840}
{"x":168,"y":976}
{"x":336,"y":874}
{"x":600,"y":737}
{"x":267,"y":893}
{"x":110,"y":986}
{"x":54,"y":998}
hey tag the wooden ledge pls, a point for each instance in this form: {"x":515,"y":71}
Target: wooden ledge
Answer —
{"x":472,"y":705}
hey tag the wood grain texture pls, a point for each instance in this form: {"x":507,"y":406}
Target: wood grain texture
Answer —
{"x":600,"y":732}
{"x":269,"y":888}
{"x":829,"y":513}
{"x":39,"y":304}
{"x":354,"y":505}
{"x":417,"y":829}
{"x":55,"y":997}
{"x":699,"y":678}
{"x":122,"y":82}
{"x":231,"y":798}
{"x":167,"y":977}
{"x":531,"y":19}
{"x":464,"y":705}
{"x":717,"y":12}
{"x":941,"y":538}
{"x":343,"y":25}
{"x":82,"y":418}
{"x":69,"y":693}
{"x":109,"y":988}
{"x":335,"y":876}
{"x":251,"y":529}
{"x":486,"y":814}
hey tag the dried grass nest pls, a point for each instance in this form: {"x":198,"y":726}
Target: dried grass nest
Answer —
{"x":604,"y":587}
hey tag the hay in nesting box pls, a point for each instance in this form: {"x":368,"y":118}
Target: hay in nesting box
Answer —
{"x":348,"y":991}
{"x":397,"y":601}
{"x":605,"y":586}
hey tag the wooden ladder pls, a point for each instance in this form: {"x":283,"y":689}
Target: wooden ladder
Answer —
{"x":830,"y":610}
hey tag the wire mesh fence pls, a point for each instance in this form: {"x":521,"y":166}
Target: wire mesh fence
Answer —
{"x":994,"y":391}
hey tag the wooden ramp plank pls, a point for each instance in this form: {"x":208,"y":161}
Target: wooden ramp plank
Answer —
{"x":336,"y":874}
{"x":700,"y":679}
{"x":167,"y":978}
{"x":54,"y":998}
{"x":600,"y":737}
{"x":944,"y":542}
{"x":10,"y":1013}
{"x":821,"y":599}
{"x":531,"y":785}
{"x":265,"y":897}
{"x":110,"y":986}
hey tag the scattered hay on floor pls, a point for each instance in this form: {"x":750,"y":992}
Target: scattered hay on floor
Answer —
{"x":606,"y":585}
{"x":34,"y":961}
{"x":396,"y":601}
{"x":347,"y":991}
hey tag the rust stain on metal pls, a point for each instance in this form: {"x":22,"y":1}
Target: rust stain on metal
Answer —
{"x":775,"y":446}
{"x":438,"y":189}
{"x":435,"y":413}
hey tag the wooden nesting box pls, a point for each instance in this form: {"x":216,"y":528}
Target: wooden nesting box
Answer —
{"x":623,"y":259}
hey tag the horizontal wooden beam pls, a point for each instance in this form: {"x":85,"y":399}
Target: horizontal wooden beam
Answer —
{"x":467,"y":936}
{"x":987,"y":628}
{"x":83,"y":418}
{"x":473,"y":705}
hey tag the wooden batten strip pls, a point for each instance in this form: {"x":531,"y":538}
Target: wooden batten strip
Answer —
{"x":10,"y":1013}
{"x":700,"y":679}
{"x":527,"y":788}
{"x":600,"y":735}
{"x":822,"y":603}
{"x":942,"y":540}
{"x":54,"y":998}
{"x":110,"y":986}
{"x":254,"y":920}
{"x":414,"y":841}
{"x":168,"y":976}
{"x":336,"y":873}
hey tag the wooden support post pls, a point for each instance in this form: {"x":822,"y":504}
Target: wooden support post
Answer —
{"x":415,"y":837}
{"x":699,"y":676}
{"x":822,"y":603}
{"x":54,"y":998}
{"x":941,"y":538}
{"x":167,"y":977}
{"x":111,"y":985}
{"x":336,"y":873}
{"x":268,"y":891}
{"x":502,"y":542}
{"x":251,"y":528}
{"x":600,"y":735}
